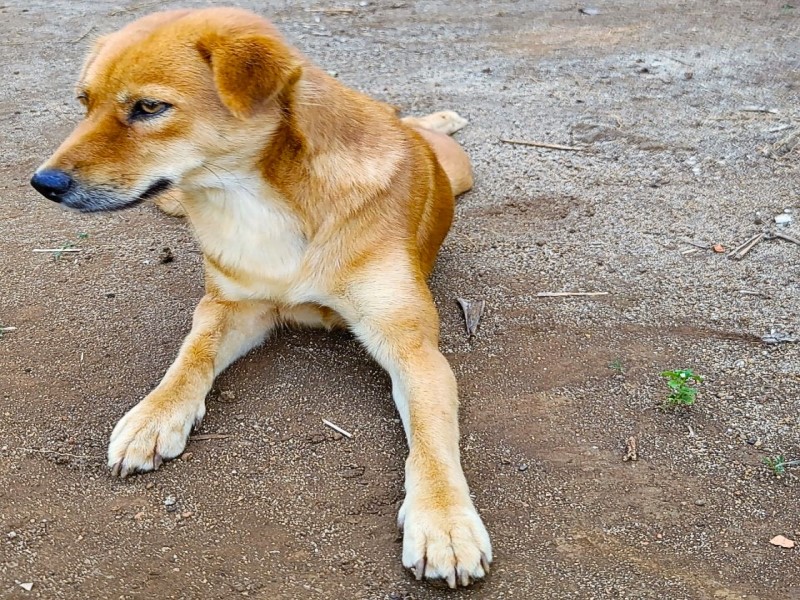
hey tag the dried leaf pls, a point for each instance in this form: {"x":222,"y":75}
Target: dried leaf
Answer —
{"x":473,"y":311}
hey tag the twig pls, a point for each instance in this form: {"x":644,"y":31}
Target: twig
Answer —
{"x":690,"y":251}
{"x":740,"y":252}
{"x":56,"y":249}
{"x":133,"y":8}
{"x":43,"y":451}
{"x":780,"y":128}
{"x":787,"y":238}
{"x":542,"y":145}
{"x":337,"y":428}
{"x":759,"y":109}
{"x":201,"y":437}
{"x":564,"y":294}
{"x":331,"y":11}
{"x":701,"y":245}
{"x":78,"y":39}
{"x":7,"y":329}
{"x":753,"y":293}
{"x":677,"y":60}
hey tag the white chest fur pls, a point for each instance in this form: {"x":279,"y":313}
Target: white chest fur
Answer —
{"x":247,"y":229}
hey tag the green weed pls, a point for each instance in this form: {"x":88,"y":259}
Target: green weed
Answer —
{"x":682,"y":383}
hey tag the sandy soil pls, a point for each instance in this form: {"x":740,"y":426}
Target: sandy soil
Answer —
{"x":551,"y":387}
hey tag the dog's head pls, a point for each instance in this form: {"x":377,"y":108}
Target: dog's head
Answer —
{"x":165,"y":98}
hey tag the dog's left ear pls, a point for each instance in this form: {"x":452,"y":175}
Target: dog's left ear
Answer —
{"x":249,"y":70}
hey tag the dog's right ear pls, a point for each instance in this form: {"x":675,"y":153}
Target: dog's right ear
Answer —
{"x":249,"y":70}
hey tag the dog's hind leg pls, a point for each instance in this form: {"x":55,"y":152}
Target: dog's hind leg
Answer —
{"x":436,"y":129}
{"x":157,"y":428}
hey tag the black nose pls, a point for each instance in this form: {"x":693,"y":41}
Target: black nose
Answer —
{"x":52,"y":184}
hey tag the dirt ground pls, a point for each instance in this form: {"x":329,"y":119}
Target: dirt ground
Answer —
{"x":685,"y":112}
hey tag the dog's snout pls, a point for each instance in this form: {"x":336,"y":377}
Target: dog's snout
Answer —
{"x":52,"y":184}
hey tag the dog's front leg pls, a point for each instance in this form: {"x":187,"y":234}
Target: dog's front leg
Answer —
{"x":157,"y":428}
{"x":394,"y":316}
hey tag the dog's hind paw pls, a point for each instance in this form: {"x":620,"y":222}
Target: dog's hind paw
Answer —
{"x":445,"y":121}
{"x":448,"y":543}
{"x":152,"y":431}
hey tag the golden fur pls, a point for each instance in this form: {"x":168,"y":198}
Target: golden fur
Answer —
{"x":313,"y":204}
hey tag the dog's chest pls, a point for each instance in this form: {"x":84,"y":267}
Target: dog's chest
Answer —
{"x":253,"y":243}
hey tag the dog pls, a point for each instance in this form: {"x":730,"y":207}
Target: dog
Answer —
{"x":313,"y":205}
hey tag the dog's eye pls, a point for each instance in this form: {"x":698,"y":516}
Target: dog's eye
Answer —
{"x":144,"y":109}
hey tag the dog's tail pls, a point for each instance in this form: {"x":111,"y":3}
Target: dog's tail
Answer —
{"x":436,"y":128}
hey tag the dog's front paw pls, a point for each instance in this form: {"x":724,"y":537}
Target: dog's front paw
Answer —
{"x":155,"y":429}
{"x":445,"y":542}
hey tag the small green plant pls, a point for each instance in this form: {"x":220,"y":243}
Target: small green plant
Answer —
{"x":616,"y":365}
{"x":65,"y":246}
{"x":681,"y":382}
{"x":776,"y":464}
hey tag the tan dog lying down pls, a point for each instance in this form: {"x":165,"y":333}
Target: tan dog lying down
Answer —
{"x":313,"y":205}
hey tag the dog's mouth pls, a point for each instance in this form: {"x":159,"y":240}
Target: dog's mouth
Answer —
{"x":161,"y":185}
{"x":103,"y":199}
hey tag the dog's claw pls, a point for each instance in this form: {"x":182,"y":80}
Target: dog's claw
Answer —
{"x":116,"y":469}
{"x":158,"y":460}
{"x":485,"y":563}
{"x":451,"y":579}
{"x":465,"y":579}
{"x":419,"y":569}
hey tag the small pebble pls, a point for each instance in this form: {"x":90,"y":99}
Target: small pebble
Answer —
{"x":700,"y":502}
{"x":170,"y":500}
{"x":523,"y":467}
{"x":783,"y":219}
{"x":12,"y":535}
{"x":186,"y":456}
{"x":149,"y":486}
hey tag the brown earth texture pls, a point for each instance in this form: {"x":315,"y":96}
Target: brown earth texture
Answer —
{"x":686,"y":117}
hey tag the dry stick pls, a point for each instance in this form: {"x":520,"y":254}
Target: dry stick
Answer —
{"x":7,"y":329}
{"x":330,"y":10}
{"x":78,"y":39}
{"x":56,"y":249}
{"x":564,"y":294}
{"x":742,"y":250}
{"x":787,"y":238}
{"x":201,"y":437}
{"x":42,"y":451}
{"x":133,"y":8}
{"x":347,"y":434}
{"x":743,"y":244}
{"x":542,"y":145}
{"x":759,"y":109}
